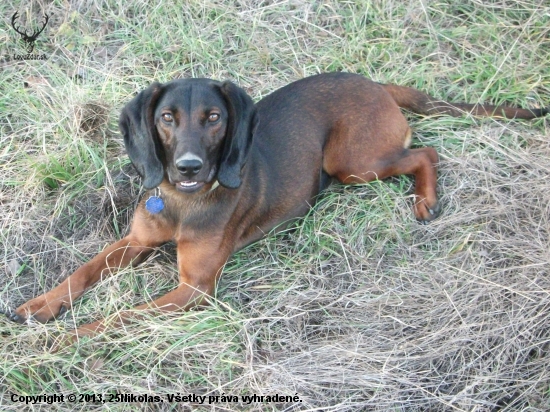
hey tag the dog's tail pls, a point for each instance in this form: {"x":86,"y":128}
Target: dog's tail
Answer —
{"x":421,"y":103}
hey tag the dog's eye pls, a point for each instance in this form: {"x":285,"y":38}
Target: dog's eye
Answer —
{"x":214,"y":117}
{"x":167,"y":117}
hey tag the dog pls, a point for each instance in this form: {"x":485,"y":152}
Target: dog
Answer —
{"x":222,"y":171}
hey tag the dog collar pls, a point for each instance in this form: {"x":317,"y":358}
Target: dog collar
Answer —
{"x":155,"y":204}
{"x":214,"y":186}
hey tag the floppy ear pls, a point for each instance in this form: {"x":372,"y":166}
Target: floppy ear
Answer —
{"x":242,"y":123}
{"x":140,"y":136}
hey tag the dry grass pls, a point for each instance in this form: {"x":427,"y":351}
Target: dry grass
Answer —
{"x":358,"y":307}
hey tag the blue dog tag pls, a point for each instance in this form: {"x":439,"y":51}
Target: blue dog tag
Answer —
{"x":154,"y":205}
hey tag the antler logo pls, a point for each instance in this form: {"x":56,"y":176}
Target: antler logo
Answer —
{"x":29,"y":39}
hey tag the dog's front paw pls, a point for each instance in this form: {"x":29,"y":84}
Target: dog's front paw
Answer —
{"x":40,"y":309}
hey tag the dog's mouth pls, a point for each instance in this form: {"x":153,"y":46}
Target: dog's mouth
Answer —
{"x":189,"y":187}
{"x":192,"y":186}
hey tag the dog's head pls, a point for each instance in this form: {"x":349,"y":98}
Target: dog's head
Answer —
{"x":192,"y":131}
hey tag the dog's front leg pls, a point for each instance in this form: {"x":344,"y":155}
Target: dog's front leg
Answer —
{"x":144,"y":235}
{"x":200,"y":264}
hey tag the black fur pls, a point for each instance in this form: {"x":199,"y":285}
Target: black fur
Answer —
{"x":140,"y":136}
{"x":240,"y":131}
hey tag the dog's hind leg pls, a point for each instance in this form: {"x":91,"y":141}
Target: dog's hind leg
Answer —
{"x":375,"y":145}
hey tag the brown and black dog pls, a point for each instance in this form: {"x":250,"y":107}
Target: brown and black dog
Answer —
{"x":223,"y":171}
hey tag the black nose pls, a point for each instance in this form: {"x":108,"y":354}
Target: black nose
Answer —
{"x":189,"y":167}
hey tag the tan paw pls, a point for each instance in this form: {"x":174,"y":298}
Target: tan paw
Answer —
{"x":40,"y":309}
{"x":426,"y":211}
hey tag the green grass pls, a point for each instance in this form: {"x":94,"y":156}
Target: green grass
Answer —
{"x":357,"y":306}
